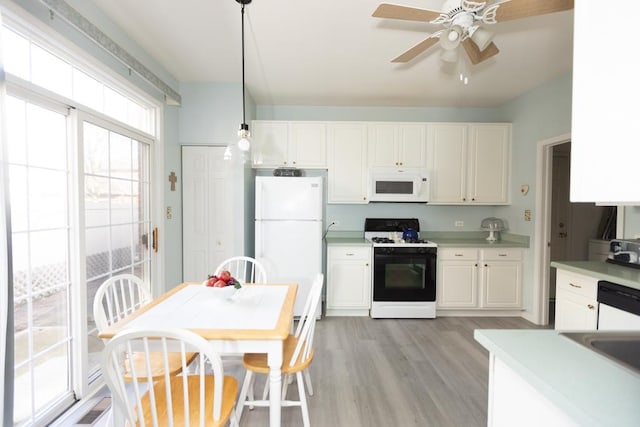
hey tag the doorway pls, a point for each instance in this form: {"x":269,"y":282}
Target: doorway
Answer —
{"x":581,"y":223}
{"x":573,"y":225}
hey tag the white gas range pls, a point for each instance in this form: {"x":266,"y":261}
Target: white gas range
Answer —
{"x":404,"y":271}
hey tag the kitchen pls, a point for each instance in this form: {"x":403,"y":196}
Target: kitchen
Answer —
{"x":548,"y":103}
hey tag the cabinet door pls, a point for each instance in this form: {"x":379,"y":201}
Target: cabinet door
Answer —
{"x":502,"y":283}
{"x":447,"y":148}
{"x":489,"y":155}
{"x":307,"y":145}
{"x":575,"y":312}
{"x":412,"y":145}
{"x":383,"y":145}
{"x":347,"y":163}
{"x":270,"y":141}
{"x":457,"y":284}
{"x":348,"y":277}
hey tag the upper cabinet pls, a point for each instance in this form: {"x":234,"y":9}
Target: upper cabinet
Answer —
{"x":397,"y":144}
{"x":347,"y":159}
{"x":604,"y":124}
{"x":289,"y":144}
{"x":469,"y":163}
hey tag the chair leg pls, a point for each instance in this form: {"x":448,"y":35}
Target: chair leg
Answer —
{"x":265,"y":391}
{"x":303,"y":400}
{"x":285,"y":386}
{"x":248,"y":380}
{"x":307,"y":377}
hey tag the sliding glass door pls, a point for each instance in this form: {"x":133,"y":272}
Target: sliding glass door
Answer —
{"x":80,"y":213}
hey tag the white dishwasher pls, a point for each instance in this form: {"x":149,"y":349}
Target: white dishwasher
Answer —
{"x":618,"y":308}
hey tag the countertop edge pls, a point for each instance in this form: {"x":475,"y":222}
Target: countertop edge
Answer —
{"x":619,"y":274}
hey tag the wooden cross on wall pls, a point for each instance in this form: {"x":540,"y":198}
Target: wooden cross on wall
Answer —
{"x":173,"y":179}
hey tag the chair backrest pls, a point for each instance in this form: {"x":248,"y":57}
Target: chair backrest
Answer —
{"x":172,"y":400}
{"x":118,"y":297}
{"x":307,"y":322}
{"x":245,"y":269}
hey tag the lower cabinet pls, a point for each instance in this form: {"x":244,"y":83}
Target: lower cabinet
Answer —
{"x":348,"y":280}
{"x":576,"y":301}
{"x":474,"y":278}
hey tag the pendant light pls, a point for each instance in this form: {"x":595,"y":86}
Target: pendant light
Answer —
{"x":242,"y":147}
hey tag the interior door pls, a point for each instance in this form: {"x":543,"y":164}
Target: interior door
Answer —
{"x":206,"y":209}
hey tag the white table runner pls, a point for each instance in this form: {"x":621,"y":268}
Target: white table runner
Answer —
{"x":200,"y":307}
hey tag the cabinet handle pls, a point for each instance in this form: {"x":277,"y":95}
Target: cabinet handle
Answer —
{"x":349,"y":254}
{"x":458,"y":255}
{"x":366,"y":264}
{"x":464,"y":199}
{"x":575,"y":286}
{"x":476,"y":264}
{"x":401,"y":163}
{"x":473,"y":199}
{"x":364,"y":198}
{"x":486,"y":265}
{"x":590,"y":306}
{"x":294,"y":162}
{"x":502,"y":254}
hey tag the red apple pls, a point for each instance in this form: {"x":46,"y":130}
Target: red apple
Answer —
{"x":212,"y":280}
{"x":225,"y":275}
{"x":220,"y":284}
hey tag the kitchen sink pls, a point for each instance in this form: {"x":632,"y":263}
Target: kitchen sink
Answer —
{"x":620,"y":347}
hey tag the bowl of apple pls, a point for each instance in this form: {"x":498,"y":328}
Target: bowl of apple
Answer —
{"x":223,"y":284}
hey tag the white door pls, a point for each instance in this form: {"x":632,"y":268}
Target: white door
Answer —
{"x":206,"y":199}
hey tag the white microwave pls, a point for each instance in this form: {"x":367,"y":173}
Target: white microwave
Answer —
{"x":398,"y":185}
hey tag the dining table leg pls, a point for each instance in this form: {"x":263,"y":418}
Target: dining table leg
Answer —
{"x":274,"y":359}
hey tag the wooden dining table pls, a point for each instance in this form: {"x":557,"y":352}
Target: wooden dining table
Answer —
{"x":257,"y":319}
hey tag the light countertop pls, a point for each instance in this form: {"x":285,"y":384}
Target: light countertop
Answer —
{"x":626,"y":276}
{"x":442,"y":239}
{"x":590,"y":388}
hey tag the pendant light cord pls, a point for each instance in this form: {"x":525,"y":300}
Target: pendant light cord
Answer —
{"x":244,"y":122}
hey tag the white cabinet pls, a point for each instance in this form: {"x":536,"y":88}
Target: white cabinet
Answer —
{"x":576,"y":301}
{"x":289,"y":144}
{"x":602,"y":112}
{"x":472,"y":278}
{"x":397,"y":145}
{"x":348,"y":280}
{"x":469,"y":163}
{"x":347,"y":162}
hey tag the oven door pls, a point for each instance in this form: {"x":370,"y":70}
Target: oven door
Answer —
{"x":404,"y":274}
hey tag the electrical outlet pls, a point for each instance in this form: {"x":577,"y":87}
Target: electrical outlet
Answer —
{"x":459,"y":223}
{"x":527,"y":214}
{"x":169,"y":212}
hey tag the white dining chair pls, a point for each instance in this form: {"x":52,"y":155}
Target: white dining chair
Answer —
{"x":118,"y":297}
{"x":200,"y":399}
{"x":243,"y":268}
{"x":298,"y":354}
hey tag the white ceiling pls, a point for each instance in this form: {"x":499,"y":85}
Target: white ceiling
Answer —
{"x":333,"y":52}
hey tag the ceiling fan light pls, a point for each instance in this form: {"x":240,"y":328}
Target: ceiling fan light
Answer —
{"x":449,"y":55}
{"x":450,"y":38}
{"x":482,"y":38}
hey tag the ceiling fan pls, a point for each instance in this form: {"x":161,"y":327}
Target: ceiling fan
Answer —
{"x":463,"y":22}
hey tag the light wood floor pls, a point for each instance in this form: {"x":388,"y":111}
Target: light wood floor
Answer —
{"x":395,"y":372}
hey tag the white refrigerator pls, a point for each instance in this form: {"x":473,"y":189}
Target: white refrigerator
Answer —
{"x":289,"y":231}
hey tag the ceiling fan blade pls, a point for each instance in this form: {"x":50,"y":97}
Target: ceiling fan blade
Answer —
{"x":393,"y":11}
{"x":476,"y":55}
{"x":416,"y":50}
{"x":515,"y":9}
